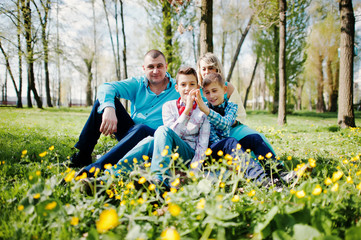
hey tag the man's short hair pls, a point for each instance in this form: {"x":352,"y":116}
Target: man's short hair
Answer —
{"x":154,"y":53}
{"x":186,"y":71}
{"x":213,"y":77}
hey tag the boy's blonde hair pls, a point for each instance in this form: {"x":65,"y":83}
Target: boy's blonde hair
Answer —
{"x":186,"y":71}
{"x":211,"y":60}
{"x":213,"y":78}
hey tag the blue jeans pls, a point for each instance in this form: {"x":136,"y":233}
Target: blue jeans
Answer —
{"x":164,"y":136}
{"x":128,"y":134}
{"x":252,"y":170}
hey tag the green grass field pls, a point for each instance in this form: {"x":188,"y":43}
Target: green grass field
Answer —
{"x":324,"y":204}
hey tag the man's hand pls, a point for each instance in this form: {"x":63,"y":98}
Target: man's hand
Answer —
{"x":202,"y":106}
{"x":109,"y":122}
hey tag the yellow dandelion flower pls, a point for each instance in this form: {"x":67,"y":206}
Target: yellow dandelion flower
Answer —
{"x":70,"y":176}
{"x":219,"y":198}
{"x":175,"y":182}
{"x":175,"y":156}
{"x":173,"y":190}
{"x":201,"y":203}
{"x":36,"y":196}
{"x":260,"y":157}
{"x":135,"y":161}
{"x":151,"y":187}
{"x":335,"y":187}
{"x":358,"y":186}
{"x":110,"y":193}
{"x":21,"y":207}
{"x":317,"y":190}
{"x":31,"y":177}
{"x":161,"y":165}
{"x":191,"y":174}
{"x":147,"y":165}
{"x":74,"y":221}
{"x":118,"y":197}
{"x":126,"y":160}
{"x":170,"y":234}
{"x":358,"y":173}
{"x":38,"y":173}
{"x":300,"y":194}
{"x":337,"y":176}
{"x":51,"y":148}
{"x":108,"y":166}
{"x":222,"y":184}
{"x":312,"y":162}
{"x":251,"y":193}
{"x":349,"y":180}
{"x":289,"y":158}
{"x":130,"y":185}
{"x":220,"y":153}
{"x":24,"y":152}
{"x":174,"y":209}
{"x":97,"y":170}
{"x":108,"y":219}
{"x":142,"y":180}
{"x":164,"y":152}
{"x":248,"y":150}
{"x":145,"y":157}
{"x":208,"y":152}
{"x":220,"y":206}
{"x":141,"y":200}
{"x":228,"y":157}
{"x":235,"y":198}
{"x":92,"y":170}
{"x":238,"y":147}
{"x":123,"y":202}
{"x":50,"y":206}
{"x":328,"y":181}
{"x":43,"y":154}
{"x":82,"y":176}
{"x":269,"y":155}
{"x":194,"y":165}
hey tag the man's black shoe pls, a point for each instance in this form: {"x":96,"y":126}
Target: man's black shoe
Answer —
{"x":80,"y":160}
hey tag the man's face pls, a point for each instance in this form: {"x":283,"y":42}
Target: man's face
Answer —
{"x":155,"y":69}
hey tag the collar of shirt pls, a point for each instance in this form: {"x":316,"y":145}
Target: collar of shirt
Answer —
{"x":220,"y":108}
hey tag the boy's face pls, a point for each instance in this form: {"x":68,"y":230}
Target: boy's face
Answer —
{"x":206,"y":69}
{"x":185,"y":84}
{"x":214,"y":93}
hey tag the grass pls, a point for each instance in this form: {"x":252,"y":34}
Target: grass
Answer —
{"x":35,"y":206}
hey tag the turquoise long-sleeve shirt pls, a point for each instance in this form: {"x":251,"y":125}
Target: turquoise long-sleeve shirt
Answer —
{"x":146,"y":106}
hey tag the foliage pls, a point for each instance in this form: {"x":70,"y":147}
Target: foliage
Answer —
{"x":324,"y":203}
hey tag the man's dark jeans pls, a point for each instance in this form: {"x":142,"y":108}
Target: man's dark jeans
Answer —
{"x":128,"y":134}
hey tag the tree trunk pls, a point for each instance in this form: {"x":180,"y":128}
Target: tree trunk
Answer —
{"x":30,"y":54}
{"x":299,"y":97}
{"x":320,"y":106}
{"x":167,"y":33}
{"x":89,"y":97}
{"x":206,"y":27}
{"x":124,"y":40}
{"x":19,"y":102}
{"x":224,"y":40}
{"x":8,"y":68}
{"x":276,"y":69}
{"x":282,"y":64}
{"x":346,"y":117}
{"x":332,"y":88}
{"x":250,"y":83}
{"x":238,"y":50}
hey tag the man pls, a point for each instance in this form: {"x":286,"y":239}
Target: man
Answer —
{"x":147,"y":94}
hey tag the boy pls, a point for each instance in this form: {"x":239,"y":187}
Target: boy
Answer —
{"x":222,"y":115}
{"x":185,"y":127}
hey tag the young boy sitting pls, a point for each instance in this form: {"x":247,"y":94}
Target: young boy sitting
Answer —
{"x":222,"y":115}
{"x":186,"y":129}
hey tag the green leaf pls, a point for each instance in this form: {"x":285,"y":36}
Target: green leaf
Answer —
{"x":284,"y":221}
{"x":353,"y":233}
{"x":204,"y":186}
{"x":93,"y":234}
{"x":322,"y":222}
{"x":280,"y":235}
{"x":261,"y":228}
{"x":304,"y":232}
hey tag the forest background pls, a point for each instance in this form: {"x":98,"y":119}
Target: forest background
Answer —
{"x":56,"y":53}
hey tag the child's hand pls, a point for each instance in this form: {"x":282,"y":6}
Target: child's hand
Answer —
{"x":190,"y":101}
{"x":202,"y":106}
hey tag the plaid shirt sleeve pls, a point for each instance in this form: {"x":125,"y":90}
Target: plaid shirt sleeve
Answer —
{"x":213,"y":137}
{"x":224,"y":123}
